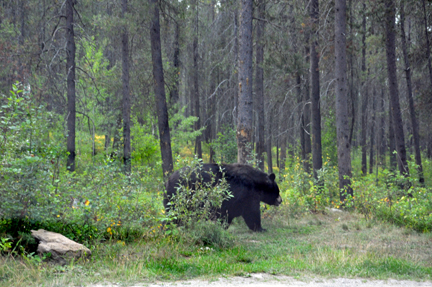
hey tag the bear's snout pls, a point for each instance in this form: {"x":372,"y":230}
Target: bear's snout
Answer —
{"x":278,"y":201}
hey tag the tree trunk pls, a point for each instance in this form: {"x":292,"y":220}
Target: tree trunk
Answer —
{"x":315,"y":97}
{"x":427,"y":42}
{"x":393,"y":87}
{"x":381,"y":134}
{"x":70,"y":71}
{"x":342,"y":125}
{"x":392,"y":145}
{"x":174,"y":93}
{"x":126,"y":96}
{"x":159,"y":88}
{"x":306,"y":115}
{"x":196,"y":96}
{"x":365,"y":98}
{"x":245,"y":108}
{"x":259,"y":84}
{"x":268,"y":142}
{"x":372,"y":134}
{"x":410,"y":96}
{"x":352,"y":94}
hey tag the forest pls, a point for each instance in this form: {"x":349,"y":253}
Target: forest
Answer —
{"x":100,"y":101}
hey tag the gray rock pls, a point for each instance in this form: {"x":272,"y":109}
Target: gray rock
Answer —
{"x":62,"y":249}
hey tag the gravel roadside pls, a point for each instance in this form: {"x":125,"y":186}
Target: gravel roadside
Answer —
{"x":264,"y":280}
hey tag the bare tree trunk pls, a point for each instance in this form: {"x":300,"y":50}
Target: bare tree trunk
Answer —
{"x":174,"y":93}
{"x":365,"y":98}
{"x":393,"y":87}
{"x":381,"y":142}
{"x":306,"y":116}
{"x":428,"y":52}
{"x":245,"y":109}
{"x":372,"y":134}
{"x":342,"y":126}
{"x":351,"y":93}
{"x":283,"y":138}
{"x":315,"y":97}
{"x":392,"y":145}
{"x":259,"y":84}
{"x":161,"y":105}
{"x":268,"y":142}
{"x":410,"y":96}
{"x":126,"y":96}
{"x":196,"y":96}
{"x":70,"y":71}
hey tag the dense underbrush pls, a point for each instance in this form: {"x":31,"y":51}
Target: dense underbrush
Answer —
{"x":99,"y":202}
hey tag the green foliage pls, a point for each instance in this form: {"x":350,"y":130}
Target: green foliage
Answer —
{"x":145,"y":145}
{"x":397,"y":199}
{"x":302,"y":193}
{"x":182,"y":130}
{"x":225,"y":145}
{"x":196,"y":205}
{"x":329,"y":139}
{"x":5,"y":244}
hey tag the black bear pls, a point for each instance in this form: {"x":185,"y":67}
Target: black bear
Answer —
{"x":248,"y":186}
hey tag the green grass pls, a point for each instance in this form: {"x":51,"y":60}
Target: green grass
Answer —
{"x":331,"y":245}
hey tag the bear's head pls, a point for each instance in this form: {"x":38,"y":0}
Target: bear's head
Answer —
{"x":271,"y":194}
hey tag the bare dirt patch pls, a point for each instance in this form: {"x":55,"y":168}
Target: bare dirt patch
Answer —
{"x":264,"y":280}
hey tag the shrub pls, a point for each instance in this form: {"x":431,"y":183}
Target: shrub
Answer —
{"x":195,"y":207}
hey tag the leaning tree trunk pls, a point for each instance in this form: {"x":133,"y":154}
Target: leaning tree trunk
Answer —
{"x":259,"y":85}
{"x":393,"y":87}
{"x":245,"y":112}
{"x":70,"y":71}
{"x":315,"y":96}
{"x":126,"y":96}
{"x":414,"y":123}
{"x":342,"y":126}
{"x":159,"y":88}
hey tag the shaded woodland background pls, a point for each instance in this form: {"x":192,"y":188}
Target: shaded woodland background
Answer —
{"x":142,"y":83}
{"x":101,"y":100}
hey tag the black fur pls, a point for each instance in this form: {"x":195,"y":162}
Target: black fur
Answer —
{"x":248,"y":186}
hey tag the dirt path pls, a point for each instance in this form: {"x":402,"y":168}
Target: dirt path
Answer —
{"x":264,"y":280}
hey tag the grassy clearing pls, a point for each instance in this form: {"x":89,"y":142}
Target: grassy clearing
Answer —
{"x":330,"y":245}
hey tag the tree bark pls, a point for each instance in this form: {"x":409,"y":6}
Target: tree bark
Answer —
{"x":126,"y":96}
{"x":414,"y":123}
{"x":365,"y":98}
{"x":174,"y":93}
{"x":372,"y":134}
{"x":70,"y":71}
{"x":315,"y":85}
{"x":428,"y":52}
{"x":159,"y":88}
{"x":196,"y":96}
{"x":342,"y":126}
{"x":245,"y":108}
{"x":392,"y":144}
{"x":268,"y":142}
{"x":259,"y":85}
{"x":306,"y":115}
{"x":393,"y":87}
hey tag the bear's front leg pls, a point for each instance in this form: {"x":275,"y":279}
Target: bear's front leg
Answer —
{"x":252,"y":217}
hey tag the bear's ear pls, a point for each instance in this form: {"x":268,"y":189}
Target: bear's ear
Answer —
{"x":272,"y":177}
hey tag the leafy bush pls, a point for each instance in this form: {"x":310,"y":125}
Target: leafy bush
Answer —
{"x":300,"y":191}
{"x":195,"y":207}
